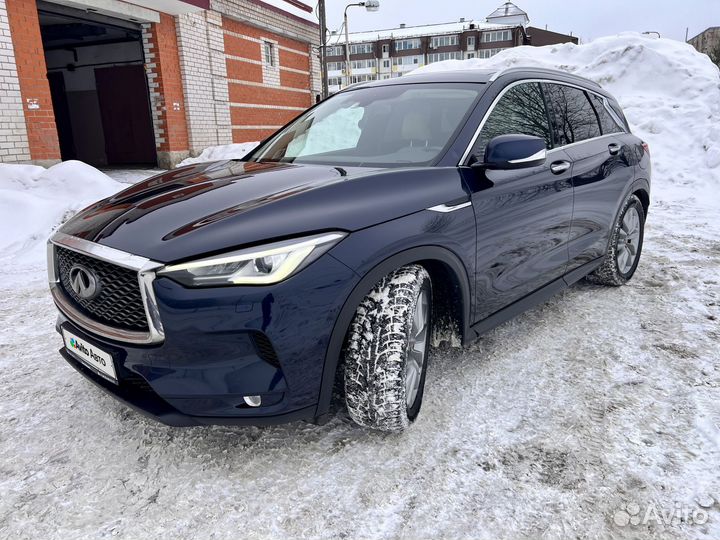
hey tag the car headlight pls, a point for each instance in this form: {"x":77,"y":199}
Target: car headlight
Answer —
{"x":260,"y":265}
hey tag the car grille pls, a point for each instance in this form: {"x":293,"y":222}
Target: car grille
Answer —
{"x":119,"y":303}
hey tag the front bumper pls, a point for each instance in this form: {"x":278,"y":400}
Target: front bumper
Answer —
{"x":224,"y":343}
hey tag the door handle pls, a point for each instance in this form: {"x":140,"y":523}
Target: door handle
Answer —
{"x":559,"y":167}
{"x":614,"y":149}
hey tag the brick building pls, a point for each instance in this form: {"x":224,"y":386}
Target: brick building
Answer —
{"x":385,"y":54}
{"x":111,"y":82}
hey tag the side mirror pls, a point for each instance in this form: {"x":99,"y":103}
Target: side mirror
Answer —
{"x":506,"y":152}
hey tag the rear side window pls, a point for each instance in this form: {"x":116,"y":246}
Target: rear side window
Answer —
{"x":520,"y":110}
{"x":607,"y":122}
{"x":574,"y":117}
{"x":619,"y":113}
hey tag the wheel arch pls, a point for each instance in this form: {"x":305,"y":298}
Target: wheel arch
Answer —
{"x":450,"y":285}
{"x":642,"y":193}
{"x":641,"y":189}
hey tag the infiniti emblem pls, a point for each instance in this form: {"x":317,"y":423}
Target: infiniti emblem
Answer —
{"x":84,"y":282}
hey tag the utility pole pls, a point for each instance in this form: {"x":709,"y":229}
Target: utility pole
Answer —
{"x":323,"y":49}
{"x":370,"y":5}
{"x":348,"y":72}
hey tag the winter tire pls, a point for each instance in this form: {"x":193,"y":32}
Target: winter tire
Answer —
{"x":625,"y":246}
{"x":386,"y":351}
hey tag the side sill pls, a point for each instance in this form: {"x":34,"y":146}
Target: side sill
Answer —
{"x":531,"y":300}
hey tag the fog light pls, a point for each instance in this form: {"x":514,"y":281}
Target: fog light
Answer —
{"x":252,"y":401}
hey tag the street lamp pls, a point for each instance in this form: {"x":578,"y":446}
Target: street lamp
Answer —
{"x":370,"y":5}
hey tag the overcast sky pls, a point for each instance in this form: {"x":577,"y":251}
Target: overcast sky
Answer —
{"x":585,"y":18}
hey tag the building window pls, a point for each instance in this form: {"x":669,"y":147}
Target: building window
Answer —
{"x":407,"y":60}
{"x":443,"y":41}
{"x":336,"y":50}
{"x":487,"y":53}
{"x":362,"y":78}
{"x":471,"y":55}
{"x":497,"y":35}
{"x":335,"y":66}
{"x":385,"y":48}
{"x":361,"y":48}
{"x":407,"y":44}
{"x":386,"y":63}
{"x":334,"y":81}
{"x":269,"y":53}
{"x":362,"y":64}
{"x":439,"y":57}
{"x":471,"y":42}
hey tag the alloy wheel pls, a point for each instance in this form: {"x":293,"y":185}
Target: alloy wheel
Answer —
{"x":628,"y":240}
{"x":417,"y":344}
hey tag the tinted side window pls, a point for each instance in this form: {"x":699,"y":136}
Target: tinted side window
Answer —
{"x":521,"y":110}
{"x":574,"y":118}
{"x":607,"y":122}
{"x":620,"y":114}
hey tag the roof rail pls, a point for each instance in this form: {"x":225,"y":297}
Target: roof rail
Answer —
{"x":544,"y":71}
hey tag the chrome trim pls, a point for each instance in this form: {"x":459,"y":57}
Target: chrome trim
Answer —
{"x":466,"y":154}
{"x":145,"y":269}
{"x":559,"y":168}
{"x":444,"y":208}
{"x":542,"y":154}
{"x":579,"y":142}
{"x":98,"y":251}
{"x":53,"y":278}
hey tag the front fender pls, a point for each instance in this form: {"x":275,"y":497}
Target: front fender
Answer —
{"x":447,"y":239}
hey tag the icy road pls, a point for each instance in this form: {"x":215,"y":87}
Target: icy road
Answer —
{"x":596,"y":415}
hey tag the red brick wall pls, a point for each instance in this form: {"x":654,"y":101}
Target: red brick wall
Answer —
{"x":173,"y":123}
{"x":32,"y":73}
{"x":278,"y":104}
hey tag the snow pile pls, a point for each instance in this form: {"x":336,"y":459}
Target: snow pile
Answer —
{"x":217,"y":153}
{"x":669,"y":92}
{"x":34,"y":201}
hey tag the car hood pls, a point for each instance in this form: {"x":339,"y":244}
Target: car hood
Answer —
{"x":211,"y":207}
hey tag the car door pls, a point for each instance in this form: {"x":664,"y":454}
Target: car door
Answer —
{"x":523,"y":216}
{"x":602,"y":166}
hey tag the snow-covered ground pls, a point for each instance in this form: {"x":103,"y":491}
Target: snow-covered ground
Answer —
{"x":225,"y":151}
{"x":130,"y":176}
{"x":596,"y":415}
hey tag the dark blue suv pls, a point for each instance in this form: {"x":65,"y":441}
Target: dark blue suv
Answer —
{"x":392,"y":216}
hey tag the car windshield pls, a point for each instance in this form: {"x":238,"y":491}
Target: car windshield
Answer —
{"x":394,"y":125}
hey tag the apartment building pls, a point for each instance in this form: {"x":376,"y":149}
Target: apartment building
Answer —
{"x":385,"y":54}
{"x":148,"y":82}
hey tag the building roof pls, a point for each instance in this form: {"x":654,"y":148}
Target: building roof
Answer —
{"x":506,"y":10}
{"x":709,"y":29}
{"x":416,"y":31}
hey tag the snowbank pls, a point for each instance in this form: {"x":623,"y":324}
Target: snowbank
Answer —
{"x":34,"y":201}
{"x":669,"y":92}
{"x":217,"y":153}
